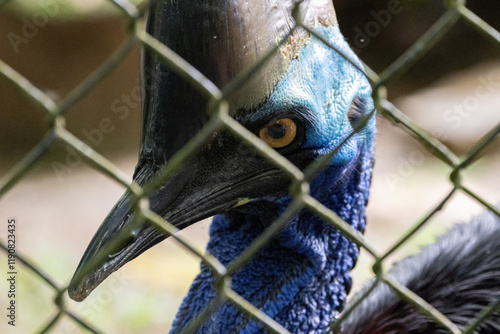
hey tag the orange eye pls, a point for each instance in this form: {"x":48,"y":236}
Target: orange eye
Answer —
{"x":279,"y":133}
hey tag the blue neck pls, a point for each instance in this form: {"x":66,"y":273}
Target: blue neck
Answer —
{"x":301,"y":278}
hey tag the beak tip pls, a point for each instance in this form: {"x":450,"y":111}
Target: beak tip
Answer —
{"x":80,"y":287}
{"x":77,"y":291}
{"x":76,"y":297}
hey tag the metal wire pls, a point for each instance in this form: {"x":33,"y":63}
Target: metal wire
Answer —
{"x":220,"y":119}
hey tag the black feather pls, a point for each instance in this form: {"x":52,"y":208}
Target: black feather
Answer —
{"x":459,"y":275}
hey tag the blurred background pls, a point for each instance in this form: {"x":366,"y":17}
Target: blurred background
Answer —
{"x":453,"y":92}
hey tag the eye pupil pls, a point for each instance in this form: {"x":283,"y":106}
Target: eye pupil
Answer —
{"x":279,"y":133}
{"x":276,"y":131}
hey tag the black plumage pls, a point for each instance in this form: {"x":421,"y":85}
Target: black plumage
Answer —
{"x":459,"y":275}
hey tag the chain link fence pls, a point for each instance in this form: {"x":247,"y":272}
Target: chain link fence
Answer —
{"x":55,"y":118}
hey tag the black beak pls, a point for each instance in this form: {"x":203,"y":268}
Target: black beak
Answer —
{"x":220,"y":177}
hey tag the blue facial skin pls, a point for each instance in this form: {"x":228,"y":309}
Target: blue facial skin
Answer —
{"x":319,"y":88}
{"x":301,"y":278}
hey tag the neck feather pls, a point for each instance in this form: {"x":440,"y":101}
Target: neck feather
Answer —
{"x":301,"y":278}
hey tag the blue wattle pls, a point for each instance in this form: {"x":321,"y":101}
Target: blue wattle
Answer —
{"x":301,"y":278}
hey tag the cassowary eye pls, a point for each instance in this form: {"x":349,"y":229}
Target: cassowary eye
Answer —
{"x":279,"y":133}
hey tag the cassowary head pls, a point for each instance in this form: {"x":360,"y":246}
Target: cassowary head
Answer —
{"x":306,"y":101}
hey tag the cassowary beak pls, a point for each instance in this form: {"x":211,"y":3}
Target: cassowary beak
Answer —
{"x":201,"y":190}
{"x":220,"y":40}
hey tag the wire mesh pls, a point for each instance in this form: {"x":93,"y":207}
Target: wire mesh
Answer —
{"x":55,"y":116}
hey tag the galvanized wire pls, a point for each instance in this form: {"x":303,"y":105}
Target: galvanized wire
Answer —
{"x":220,"y":119}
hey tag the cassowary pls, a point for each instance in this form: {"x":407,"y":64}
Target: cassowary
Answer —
{"x":305,"y":101}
